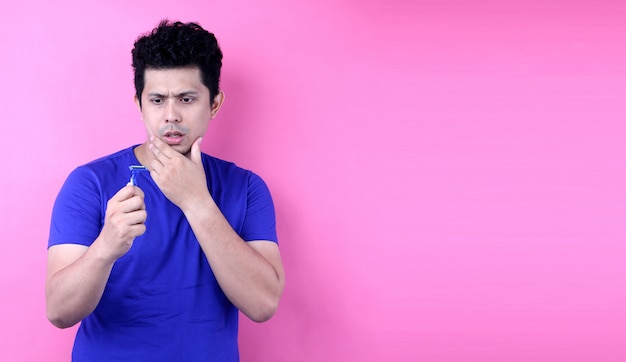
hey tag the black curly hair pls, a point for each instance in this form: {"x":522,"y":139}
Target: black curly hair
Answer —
{"x":176,"y":45}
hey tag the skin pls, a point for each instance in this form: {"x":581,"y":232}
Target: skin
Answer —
{"x":176,"y":110}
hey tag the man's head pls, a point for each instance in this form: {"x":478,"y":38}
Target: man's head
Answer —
{"x":178,"y":45}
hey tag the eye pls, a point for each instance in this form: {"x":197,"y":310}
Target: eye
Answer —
{"x":186,"y":99}
{"x":156,"y":100}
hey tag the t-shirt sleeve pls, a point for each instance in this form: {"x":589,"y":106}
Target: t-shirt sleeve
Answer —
{"x":77,"y":213}
{"x":260,"y":219}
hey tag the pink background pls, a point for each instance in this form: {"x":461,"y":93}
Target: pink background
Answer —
{"x":448,"y":175}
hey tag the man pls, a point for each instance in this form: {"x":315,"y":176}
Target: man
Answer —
{"x":158,"y":271}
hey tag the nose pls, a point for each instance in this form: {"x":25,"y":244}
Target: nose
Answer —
{"x":172,"y":115}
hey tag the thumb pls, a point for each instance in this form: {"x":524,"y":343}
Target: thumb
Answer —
{"x":196,"y":153}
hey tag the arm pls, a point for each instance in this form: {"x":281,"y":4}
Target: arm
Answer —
{"x":77,"y":275}
{"x":250,"y":273}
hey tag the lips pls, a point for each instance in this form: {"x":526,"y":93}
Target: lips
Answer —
{"x":173,"y":137}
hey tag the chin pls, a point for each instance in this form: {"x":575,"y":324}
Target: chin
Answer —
{"x":182,"y":149}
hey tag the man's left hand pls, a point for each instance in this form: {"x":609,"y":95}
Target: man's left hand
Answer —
{"x":181,"y":179}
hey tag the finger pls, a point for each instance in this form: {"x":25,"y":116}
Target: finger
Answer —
{"x":124,"y":193}
{"x":138,"y":229}
{"x":140,"y":194}
{"x":196,"y":152}
{"x":134,"y":191}
{"x":160,"y":148}
{"x":138,"y":191}
{"x":137,"y":217}
{"x":135,"y":203}
{"x":155,"y":167}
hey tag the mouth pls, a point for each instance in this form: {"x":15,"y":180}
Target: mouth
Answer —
{"x":173,"y":137}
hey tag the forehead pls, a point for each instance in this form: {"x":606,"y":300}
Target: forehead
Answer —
{"x":174,"y":80}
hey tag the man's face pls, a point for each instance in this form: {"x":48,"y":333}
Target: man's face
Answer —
{"x":176,"y":106}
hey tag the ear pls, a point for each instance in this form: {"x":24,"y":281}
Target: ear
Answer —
{"x":136,"y":100}
{"x":217,"y":104}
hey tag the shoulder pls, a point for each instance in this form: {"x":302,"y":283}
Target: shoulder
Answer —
{"x":125,"y":157}
{"x":227,"y":176}
{"x":220,"y":165}
{"x":109,"y":163}
{"x":225,"y":170}
{"x":107,"y":170}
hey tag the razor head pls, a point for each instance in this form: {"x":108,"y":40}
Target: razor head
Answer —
{"x":134,"y":170}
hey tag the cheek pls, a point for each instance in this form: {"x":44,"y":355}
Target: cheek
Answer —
{"x":204,"y":127}
{"x":200,"y":122}
{"x":149,"y":118}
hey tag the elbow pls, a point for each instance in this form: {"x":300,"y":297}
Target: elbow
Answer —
{"x":59,"y":323}
{"x":263,"y":311}
{"x":57,"y":319}
{"x":264,"y":308}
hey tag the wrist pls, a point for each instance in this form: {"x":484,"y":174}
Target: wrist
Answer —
{"x":199,"y":205}
{"x":101,"y":253}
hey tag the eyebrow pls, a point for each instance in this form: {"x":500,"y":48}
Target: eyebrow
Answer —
{"x":178,"y":95}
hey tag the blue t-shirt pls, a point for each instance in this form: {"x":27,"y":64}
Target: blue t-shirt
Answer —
{"x":162,"y":301}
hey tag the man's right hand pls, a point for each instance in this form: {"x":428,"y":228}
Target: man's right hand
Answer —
{"x":77,"y":274}
{"x":124,"y":220}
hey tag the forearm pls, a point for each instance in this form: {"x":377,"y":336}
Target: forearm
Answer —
{"x":73,"y":292}
{"x":249,"y":281}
